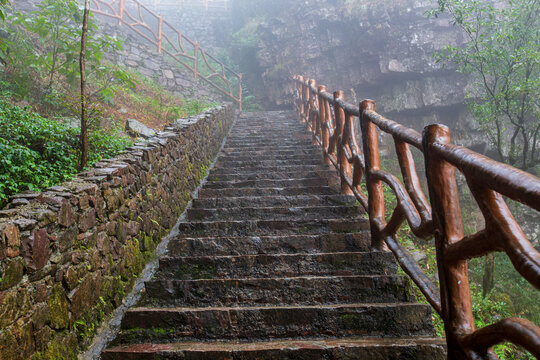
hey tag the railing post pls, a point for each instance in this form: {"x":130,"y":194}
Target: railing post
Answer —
{"x":240,"y":93}
{"x":322,"y":123}
{"x":374,"y":187}
{"x":196,"y":60}
{"x":344,"y":166}
{"x":305,"y":105}
{"x":312,"y":111}
{"x":160,"y":34}
{"x":121,"y":8}
{"x":454,"y":282}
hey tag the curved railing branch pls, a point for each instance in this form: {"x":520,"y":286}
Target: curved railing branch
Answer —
{"x":331,"y":121}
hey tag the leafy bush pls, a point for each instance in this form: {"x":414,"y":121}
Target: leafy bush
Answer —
{"x":36,"y":152}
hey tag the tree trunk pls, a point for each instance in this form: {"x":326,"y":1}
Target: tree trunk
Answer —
{"x":488,"y":280}
{"x":84,"y":126}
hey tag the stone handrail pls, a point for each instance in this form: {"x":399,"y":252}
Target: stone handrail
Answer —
{"x":167,"y":39}
{"x":331,"y":121}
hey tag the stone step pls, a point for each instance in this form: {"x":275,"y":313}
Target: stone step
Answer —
{"x":277,"y":291}
{"x":265,"y":183}
{"x":290,"y":133}
{"x":279,"y":191}
{"x":292,"y":244}
{"x":265,"y":163}
{"x":271,"y":227}
{"x":370,"y":348}
{"x":305,"y":140}
{"x":313,"y":151}
{"x":268,"y":322}
{"x":276,"y":265}
{"x":269,"y":169}
{"x":271,"y":157}
{"x":285,"y":213}
{"x":278,"y":201}
{"x":296,"y":146}
{"x":281,"y":175}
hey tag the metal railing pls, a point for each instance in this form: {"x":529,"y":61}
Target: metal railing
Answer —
{"x":331,"y":121}
{"x":167,"y":39}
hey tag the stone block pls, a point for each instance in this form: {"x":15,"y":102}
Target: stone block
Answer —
{"x":36,"y":250}
{"x":58,"y":308}
{"x":12,"y":274}
{"x":85,"y":295}
{"x":87,"y":220}
{"x":10,"y":241}
{"x":14,"y":303}
{"x":67,"y":216}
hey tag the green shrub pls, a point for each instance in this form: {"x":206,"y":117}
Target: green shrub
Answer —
{"x":36,"y":152}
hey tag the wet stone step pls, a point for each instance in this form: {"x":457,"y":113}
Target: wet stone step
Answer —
{"x":247,"y":142}
{"x":290,"y":133}
{"x":265,"y":163}
{"x":269,"y":169}
{"x":248,"y":157}
{"x":274,"y":191}
{"x":277,"y":291}
{"x":272,"y":265}
{"x":292,"y":244}
{"x":420,"y":348}
{"x":264,"y":183}
{"x":314,"y":151}
{"x":281,"y":175}
{"x":271,"y":227}
{"x":285,"y":213}
{"x":274,"y":201}
{"x":214,"y":323}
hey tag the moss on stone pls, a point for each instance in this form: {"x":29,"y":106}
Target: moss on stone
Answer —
{"x":13,"y":273}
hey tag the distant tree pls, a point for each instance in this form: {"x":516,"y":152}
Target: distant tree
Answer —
{"x":4,"y":4}
{"x":82,"y":65}
{"x":502,"y":56}
{"x":3,"y":7}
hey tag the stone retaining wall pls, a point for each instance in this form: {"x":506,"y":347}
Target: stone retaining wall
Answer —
{"x":68,"y":255}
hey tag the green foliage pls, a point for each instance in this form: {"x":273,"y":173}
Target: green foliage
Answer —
{"x":502,"y":54}
{"x":44,"y":51}
{"x":247,"y":36}
{"x":36,"y":152}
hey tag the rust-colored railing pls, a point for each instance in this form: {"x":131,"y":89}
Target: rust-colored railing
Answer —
{"x":331,"y":121}
{"x":155,"y":29}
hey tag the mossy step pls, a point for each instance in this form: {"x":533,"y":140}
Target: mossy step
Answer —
{"x":253,"y":245}
{"x":285,"y":213}
{"x":265,"y":183}
{"x":308,"y":290}
{"x":264,"y":163}
{"x":248,"y":157}
{"x":312,"y":150}
{"x":276,"y":265}
{"x":264,"y":147}
{"x":272,"y":322}
{"x":269,"y":191}
{"x":372,"y":348}
{"x":270,"y":201}
{"x":271,"y":227}
{"x":286,"y":169}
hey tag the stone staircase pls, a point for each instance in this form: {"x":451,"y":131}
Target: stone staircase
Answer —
{"x":271,"y":263}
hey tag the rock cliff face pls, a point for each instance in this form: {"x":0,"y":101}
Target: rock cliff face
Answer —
{"x":369,"y":49}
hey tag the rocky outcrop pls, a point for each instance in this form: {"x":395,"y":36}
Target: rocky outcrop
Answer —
{"x":137,"y":129}
{"x":69,"y":254}
{"x":369,"y":49}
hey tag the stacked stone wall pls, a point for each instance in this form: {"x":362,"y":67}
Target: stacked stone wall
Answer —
{"x":69,"y":254}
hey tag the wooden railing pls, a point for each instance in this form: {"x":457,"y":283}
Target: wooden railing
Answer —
{"x":331,"y":121}
{"x":155,"y":29}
